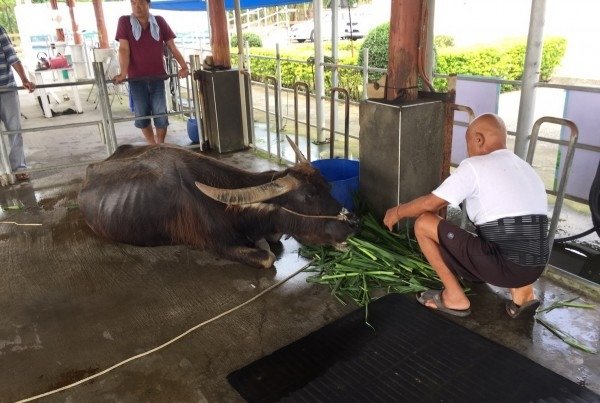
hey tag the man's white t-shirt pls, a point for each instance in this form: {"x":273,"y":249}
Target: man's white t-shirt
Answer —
{"x":495,"y":185}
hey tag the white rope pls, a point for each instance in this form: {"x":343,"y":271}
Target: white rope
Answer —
{"x":16,"y":223}
{"x":135,"y":357}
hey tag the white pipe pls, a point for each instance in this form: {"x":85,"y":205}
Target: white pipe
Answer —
{"x":531,"y":75}
{"x":365,"y":74}
{"x":334,"y":49}
{"x":429,"y":53}
{"x":319,"y":70}
{"x":241,"y":67}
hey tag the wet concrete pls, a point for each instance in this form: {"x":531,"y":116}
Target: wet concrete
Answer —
{"x":73,"y":304}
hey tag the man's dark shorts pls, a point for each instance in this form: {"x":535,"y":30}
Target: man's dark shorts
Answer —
{"x":477,"y":260}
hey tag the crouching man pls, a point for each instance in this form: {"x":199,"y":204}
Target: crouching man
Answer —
{"x":506,"y":201}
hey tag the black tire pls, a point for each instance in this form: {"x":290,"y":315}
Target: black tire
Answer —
{"x":301,"y":40}
{"x":312,"y":36}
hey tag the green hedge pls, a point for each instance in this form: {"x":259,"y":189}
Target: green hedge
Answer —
{"x":253,"y":40}
{"x":502,"y":61}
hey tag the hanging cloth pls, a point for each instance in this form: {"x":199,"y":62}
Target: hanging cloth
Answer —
{"x":136,"y":27}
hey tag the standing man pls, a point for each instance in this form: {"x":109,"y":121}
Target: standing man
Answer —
{"x":507,"y":202}
{"x":10,"y":108}
{"x":141,"y":36}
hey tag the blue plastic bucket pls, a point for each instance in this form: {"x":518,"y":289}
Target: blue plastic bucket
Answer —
{"x":342,"y":175}
{"x":192,"y":130}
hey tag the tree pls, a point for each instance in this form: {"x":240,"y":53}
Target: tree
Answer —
{"x":7,"y":16}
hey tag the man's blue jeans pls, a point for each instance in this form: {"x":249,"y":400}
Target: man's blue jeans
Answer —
{"x":149,"y":99}
{"x":10,"y":115}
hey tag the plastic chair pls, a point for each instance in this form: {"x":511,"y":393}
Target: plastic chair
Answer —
{"x":110,"y":61}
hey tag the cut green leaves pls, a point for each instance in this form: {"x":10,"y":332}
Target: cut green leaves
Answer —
{"x":374,"y":260}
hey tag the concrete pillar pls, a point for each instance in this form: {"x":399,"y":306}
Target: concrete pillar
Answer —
{"x":400,"y":151}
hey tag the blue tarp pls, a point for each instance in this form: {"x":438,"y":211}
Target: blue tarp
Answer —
{"x":200,"y":5}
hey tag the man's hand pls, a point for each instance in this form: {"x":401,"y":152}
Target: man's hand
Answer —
{"x":391,"y":217}
{"x":119,"y":78}
{"x":29,"y":85}
{"x":184,"y":72}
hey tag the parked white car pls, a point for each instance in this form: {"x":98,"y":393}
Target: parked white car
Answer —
{"x":359,"y":24}
{"x":305,"y":30}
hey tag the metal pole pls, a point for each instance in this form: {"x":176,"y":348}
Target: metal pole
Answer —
{"x":196,"y":99}
{"x":241,"y":67}
{"x":365,"y":74}
{"x":246,"y":74}
{"x":346,"y":122}
{"x":205,"y":128}
{"x":278,"y":77}
{"x":562,"y":187}
{"x":268,"y":117}
{"x":277,"y":134}
{"x":319,"y":70}
{"x":304,"y":85}
{"x":334,"y":50}
{"x":104,"y":102}
{"x":429,"y":53}
{"x":531,"y":75}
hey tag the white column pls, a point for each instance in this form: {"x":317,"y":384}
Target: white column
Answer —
{"x":531,"y":75}
{"x":319,"y":71}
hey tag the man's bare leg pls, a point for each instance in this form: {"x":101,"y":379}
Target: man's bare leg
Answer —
{"x":522,"y":295}
{"x":453,"y":295}
{"x":161,"y":133}
{"x":148,"y":132}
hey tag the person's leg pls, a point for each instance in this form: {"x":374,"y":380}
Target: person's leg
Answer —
{"x":522,"y":295}
{"x":148,"y":133}
{"x":10,"y":114}
{"x":161,"y":133}
{"x":426,"y":232}
{"x":139,"y":91}
{"x":159,"y":105}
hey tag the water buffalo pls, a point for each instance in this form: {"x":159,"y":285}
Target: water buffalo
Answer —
{"x":166,"y":195}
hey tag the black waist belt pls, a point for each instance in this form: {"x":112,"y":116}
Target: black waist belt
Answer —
{"x":522,"y":239}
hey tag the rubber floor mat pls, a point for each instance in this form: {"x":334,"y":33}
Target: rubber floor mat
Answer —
{"x":413,"y":355}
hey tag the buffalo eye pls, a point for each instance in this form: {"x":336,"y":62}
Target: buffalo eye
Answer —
{"x":309,"y":197}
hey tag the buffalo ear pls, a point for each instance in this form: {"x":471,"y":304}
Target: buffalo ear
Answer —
{"x":299,"y":156}
{"x":254,"y":194}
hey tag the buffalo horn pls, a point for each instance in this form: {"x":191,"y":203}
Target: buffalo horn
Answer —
{"x":299,"y":155}
{"x":253,"y":194}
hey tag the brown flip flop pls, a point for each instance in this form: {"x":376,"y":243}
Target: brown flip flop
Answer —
{"x":22,"y":177}
{"x":436,"y":297}
{"x":528,"y":309}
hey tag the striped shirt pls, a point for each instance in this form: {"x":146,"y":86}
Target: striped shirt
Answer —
{"x":522,"y":240}
{"x":8,"y":57}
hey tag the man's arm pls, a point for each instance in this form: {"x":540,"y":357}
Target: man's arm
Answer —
{"x":428,"y":203}
{"x":183,"y":72}
{"x":18,"y":67}
{"x":124,"y":53}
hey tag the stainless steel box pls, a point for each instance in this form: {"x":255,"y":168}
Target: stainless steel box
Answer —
{"x":222,"y":109}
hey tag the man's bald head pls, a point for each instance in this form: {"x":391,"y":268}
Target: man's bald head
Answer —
{"x":486,"y":134}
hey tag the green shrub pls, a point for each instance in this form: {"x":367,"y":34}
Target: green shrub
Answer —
{"x":503,"y":61}
{"x":443,"y":41}
{"x":253,"y":40}
{"x":377,"y":42}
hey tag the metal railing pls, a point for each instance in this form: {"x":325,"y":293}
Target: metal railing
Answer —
{"x":105,"y":125}
{"x":564,"y":176}
{"x":297,"y":85}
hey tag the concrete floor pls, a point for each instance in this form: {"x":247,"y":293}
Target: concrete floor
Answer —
{"x":73,"y":304}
